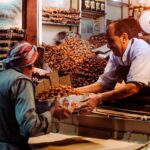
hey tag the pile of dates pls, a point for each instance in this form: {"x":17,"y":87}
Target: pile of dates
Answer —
{"x":54,"y":91}
{"x":74,"y":57}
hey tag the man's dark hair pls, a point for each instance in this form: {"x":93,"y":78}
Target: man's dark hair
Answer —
{"x":129,"y":26}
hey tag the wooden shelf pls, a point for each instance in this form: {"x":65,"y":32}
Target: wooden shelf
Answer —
{"x":59,"y":24}
{"x":118,"y":4}
{"x":92,"y":14}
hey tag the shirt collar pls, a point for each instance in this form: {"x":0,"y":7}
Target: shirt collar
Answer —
{"x":125,"y":55}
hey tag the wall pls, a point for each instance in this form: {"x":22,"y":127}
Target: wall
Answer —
{"x":114,"y":12}
{"x":91,"y":27}
{"x":49,"y":32}
{"x":56,"y":3}
{"x":135,"y":2}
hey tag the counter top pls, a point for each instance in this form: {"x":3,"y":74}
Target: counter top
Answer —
{"x":56,"y":141}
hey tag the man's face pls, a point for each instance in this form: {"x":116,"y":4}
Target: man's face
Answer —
{"x":115,"y":43}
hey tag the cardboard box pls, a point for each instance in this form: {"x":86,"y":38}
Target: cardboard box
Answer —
{"x":54,"y":78}
{"x":65,"y":80}
{"x":39,"y":88}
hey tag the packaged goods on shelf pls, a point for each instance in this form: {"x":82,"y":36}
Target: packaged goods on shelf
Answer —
{"x":8,"y":37}
{"x":63,"y":16}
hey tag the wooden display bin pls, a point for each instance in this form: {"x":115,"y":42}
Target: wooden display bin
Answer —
{"x":53,"y":80}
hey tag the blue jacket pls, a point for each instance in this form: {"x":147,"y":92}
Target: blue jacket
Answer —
{"x":18,"y":117}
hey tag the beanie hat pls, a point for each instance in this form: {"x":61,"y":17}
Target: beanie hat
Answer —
{"x":21,"y":55}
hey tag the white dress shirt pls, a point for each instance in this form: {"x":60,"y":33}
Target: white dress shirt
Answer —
{"x":137,"y":57}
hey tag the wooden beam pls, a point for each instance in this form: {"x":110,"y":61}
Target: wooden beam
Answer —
{"x":31,"y":21}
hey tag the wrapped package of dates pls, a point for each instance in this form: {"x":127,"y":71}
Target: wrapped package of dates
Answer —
{"x":65,"y":95}
{"x":72,"y":102}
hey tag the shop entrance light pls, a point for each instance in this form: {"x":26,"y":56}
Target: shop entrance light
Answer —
{"x":6,"y":1}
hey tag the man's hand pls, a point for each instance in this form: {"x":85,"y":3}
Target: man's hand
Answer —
{"x":59,"y":112}
{"x":89,"y":104}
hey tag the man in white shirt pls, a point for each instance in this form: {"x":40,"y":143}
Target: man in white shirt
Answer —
{"x":129,"y":61}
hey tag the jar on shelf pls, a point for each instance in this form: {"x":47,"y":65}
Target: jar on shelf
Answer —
{"x":102,"y":6}
{"x":92,"y":5}
{"x":98,"y":6}
{"x":87,"y":4}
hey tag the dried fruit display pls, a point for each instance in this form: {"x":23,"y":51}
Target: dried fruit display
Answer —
{"x":54,"y":91}
{"x":98,"y":40}
{"x":74,"y":57}
{"x":58,"y":15}
{"x":8,"y":37}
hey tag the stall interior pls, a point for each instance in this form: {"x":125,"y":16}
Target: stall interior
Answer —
{"x":68,"y":60}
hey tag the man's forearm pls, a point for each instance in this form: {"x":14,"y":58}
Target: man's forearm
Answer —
{"x":92,"y":88}
{"x":120,"y":93}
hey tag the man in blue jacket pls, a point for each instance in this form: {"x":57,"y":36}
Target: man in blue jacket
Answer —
{"x":18,"y":117}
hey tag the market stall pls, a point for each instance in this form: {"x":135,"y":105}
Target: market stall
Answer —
{"x":72,"y":45}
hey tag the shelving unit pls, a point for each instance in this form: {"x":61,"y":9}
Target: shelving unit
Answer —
{"x":95,"y":12}
{"x":59,"y":24}
{"x":70,"y":26}
{"x":93,"y":18}
{"x":93,"y":15}
{"x":50,"y":29}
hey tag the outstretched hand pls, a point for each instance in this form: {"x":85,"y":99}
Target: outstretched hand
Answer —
{"x":59,"y":112}
{"x":89,"y":104}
